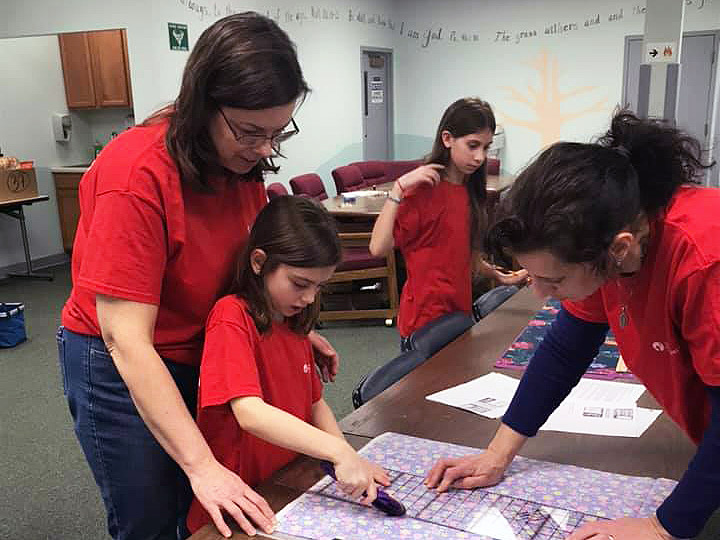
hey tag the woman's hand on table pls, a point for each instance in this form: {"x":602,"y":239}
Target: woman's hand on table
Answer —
{"x":467,"y":472}
{"x":326,"y":357}
{"x":622,"y":529}
{"x":218,"y":489}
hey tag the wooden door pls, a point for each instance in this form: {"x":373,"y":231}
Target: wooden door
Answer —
{"x":66,"y":189}
{"x":77,"y":70}
{"x":108,"y":51}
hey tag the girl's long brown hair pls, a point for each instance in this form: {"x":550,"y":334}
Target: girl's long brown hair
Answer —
{"x":244,"y":61}
{"x":465,"y":116}
{"x":294,"y":231}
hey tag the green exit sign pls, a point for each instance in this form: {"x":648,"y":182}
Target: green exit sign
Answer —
{"x":178,"y":36}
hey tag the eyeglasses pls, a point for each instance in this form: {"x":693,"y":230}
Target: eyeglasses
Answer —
{"x":254,"y":140}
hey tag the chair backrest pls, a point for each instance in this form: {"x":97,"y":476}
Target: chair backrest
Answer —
{"x":494,"y":298}
{"x":439,"y":332}
{"x":276,"y":189}
{"x":395,"y":169}
{"x":493,"y":166}
{"x":386,"y":375}
{"x":347,"y":178}
{"x":309,"y":184}
{"x":373,"y":172}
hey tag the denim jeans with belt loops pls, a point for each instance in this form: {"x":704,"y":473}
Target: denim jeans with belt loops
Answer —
{"x":145,"y":492}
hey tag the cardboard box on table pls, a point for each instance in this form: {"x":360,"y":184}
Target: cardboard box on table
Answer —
{"x":17,"y":184}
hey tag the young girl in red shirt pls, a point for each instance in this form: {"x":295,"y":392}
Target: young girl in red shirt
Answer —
{"x":435,"y":215}
{"x":260,"y":398}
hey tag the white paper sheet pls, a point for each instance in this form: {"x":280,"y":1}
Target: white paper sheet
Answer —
{"x":488,"y":395}
{"x":593,"y":407}
{"x":576,"y":417}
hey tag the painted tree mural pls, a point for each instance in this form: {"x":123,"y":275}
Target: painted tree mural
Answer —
{"x":547,"y":101}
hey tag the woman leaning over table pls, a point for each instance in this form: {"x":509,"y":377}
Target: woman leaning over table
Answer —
{"x":161,"y":208}
{"x":619,"y":231}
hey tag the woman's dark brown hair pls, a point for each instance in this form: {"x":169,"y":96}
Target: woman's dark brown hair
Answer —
{"x":574,"y":198}
{"x":464,"y":117}
{"x":243,"y":61}
{"x":294,"y":231}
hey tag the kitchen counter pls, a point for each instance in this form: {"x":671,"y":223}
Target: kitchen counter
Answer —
{"x":70,"y":169}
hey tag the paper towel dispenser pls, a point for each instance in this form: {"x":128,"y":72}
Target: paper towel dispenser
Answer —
{"x":62,"y":127}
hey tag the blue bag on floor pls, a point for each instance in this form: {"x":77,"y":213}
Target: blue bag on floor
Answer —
{"x":12,"y":324}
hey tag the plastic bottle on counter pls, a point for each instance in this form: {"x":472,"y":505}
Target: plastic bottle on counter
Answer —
{"x":97,"y":148}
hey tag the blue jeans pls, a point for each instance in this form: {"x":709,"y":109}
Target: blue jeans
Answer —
{"x":146,"y":494}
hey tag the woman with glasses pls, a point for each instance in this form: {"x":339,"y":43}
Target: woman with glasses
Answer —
{"x":164,"y":210}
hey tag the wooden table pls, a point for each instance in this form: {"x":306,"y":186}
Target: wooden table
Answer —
{"x":662,"y":451}
{"x":370,"y":206}
{"x":14,"y":209}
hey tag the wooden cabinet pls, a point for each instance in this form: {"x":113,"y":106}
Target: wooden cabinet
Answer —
{"x":66,"y":189}
{"x":96,"y":69}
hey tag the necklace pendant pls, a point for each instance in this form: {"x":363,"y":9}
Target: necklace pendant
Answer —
{"x":623,"y":318}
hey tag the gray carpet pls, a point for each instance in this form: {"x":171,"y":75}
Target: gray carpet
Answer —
{"x":47,"y":489}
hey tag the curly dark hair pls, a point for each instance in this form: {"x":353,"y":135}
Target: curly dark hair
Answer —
{"x":574,"y":198}
{"x":290,"y":230}
{"x":244,"y":61}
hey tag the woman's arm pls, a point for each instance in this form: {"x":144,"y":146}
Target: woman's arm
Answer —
{"x":355,"y":474}
{"x":381,"y":241}
{"x":127,"y":330}
{"x":697,"y":495}
{"x":559,"y":362}
{"x":556,"y":367}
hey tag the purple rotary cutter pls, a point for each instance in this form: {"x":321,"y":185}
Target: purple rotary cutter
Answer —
{"x":383,"y":502}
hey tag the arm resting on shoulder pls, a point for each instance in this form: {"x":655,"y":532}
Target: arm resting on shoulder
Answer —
{"x":686,"y":510}
{"x":556,"y":367}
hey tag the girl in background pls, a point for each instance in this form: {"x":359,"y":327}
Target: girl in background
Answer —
{"x":260,"y":398}
{"x":435,"y":215}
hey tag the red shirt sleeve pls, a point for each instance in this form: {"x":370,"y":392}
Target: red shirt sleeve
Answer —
{"x":590,"y":309}
{"x":129,"y":252}
{"x":697,"y":305}
{"x":228,"y":369}
{"x":407,"y":222}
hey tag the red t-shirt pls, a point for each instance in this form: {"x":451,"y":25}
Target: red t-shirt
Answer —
{"x":144,"y":237}
{"x":432,"y":231}
{"x":237,"y":361}
{"x":672,"y":337}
